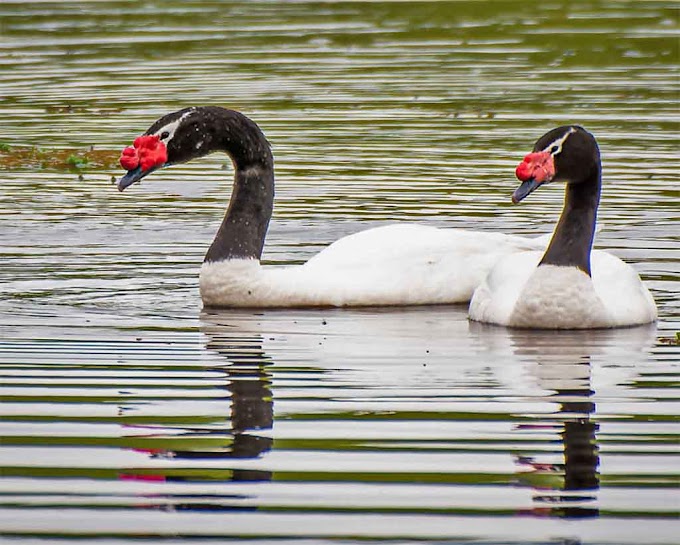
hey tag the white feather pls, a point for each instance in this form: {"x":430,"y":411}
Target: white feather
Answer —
{"x":517,"y":293}
{"x":391,"y":265}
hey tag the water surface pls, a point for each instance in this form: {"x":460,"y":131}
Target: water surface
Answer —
{"x":130,"y":414}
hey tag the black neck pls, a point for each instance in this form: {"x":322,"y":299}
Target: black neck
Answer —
{"x":573,"y":237}
{"x":244,"y":227}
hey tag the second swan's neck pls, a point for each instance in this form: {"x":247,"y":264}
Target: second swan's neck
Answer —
{"x":244,"y":227}
{"x":573,"y":237}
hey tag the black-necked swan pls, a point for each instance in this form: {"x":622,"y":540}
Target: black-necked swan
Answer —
{"x":567,"y":287}
{"x":392,"y":265}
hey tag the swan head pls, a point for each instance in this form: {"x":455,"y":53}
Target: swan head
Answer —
{"x":175,"y":138}
{"x":565,"y":154}
{"x":193,"y":132}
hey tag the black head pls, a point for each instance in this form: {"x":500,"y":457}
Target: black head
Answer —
{"x":566,"y":154}
{"x":187,"y":134}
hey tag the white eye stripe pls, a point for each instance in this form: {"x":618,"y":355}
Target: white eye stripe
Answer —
{"x":559,"y":142}
{"x":170,"y":128}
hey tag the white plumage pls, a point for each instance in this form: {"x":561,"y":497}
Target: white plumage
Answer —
{"x":390,"y":265}
{"x":518,"y":293}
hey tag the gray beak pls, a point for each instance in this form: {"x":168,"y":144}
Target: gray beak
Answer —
{"x":523,"y":190}
{"x":133,"y":176}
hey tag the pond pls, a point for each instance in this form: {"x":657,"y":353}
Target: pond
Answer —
{"x":131,"y":414}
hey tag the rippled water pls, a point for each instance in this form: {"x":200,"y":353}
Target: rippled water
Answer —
{"x":130,"y":414}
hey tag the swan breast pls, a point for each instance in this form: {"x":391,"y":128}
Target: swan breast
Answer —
{"x":518,"y":293}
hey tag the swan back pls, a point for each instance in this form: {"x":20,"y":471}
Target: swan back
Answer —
{"x":618,"y":285}
{"x":390,"y":265}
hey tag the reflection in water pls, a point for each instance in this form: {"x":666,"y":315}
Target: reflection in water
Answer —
{"x":386,"y":419}
{"x":561,"y":362}
{"x":252,"y":407}
{"x":249,"y":383}
{"x":577,"y":431}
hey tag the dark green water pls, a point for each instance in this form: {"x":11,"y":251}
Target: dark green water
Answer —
{"x":130,"y":414}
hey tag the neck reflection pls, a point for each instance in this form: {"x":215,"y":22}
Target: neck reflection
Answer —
{"x":245,"y":367}
{"x":566,"y":489}
{"x":252,"y":406}
{"x":570,"y":368}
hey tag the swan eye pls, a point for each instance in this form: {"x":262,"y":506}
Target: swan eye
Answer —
{"x":164,"y":135}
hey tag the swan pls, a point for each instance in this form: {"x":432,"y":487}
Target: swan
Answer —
{"x":567,"y":286}
{"x":398,"y":264}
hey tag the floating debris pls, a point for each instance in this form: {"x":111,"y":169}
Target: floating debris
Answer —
{"x":31,"y":157}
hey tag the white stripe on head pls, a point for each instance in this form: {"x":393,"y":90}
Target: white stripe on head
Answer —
{"x":170,"y":128}
{"x":555,"y":146}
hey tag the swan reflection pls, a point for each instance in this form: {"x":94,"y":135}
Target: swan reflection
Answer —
{"x":574,"y":496}
{"x":245,"y":368}
{"x":252,"y":407}
{"x":400,"y":397}
{"x":561,"y":363}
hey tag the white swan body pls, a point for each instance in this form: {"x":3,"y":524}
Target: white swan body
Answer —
{"x":569,"y":286}
{"x":518,"y":293}
{"x":390,"y":265}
